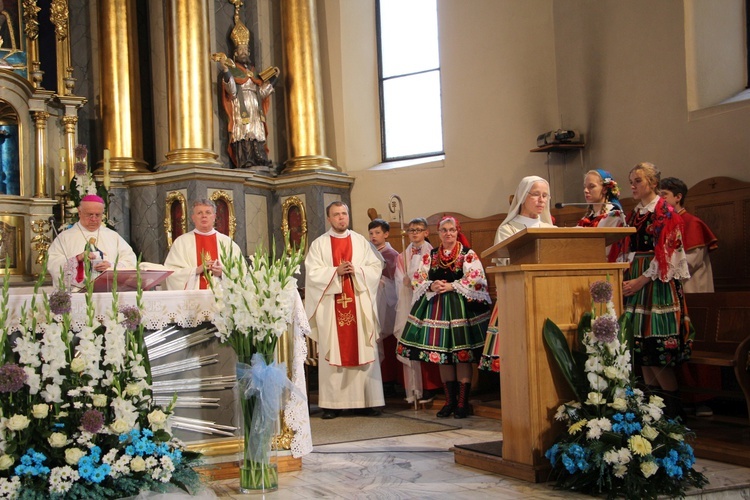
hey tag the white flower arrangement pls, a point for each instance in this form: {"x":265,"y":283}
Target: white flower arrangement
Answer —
{"x":76,"y":409}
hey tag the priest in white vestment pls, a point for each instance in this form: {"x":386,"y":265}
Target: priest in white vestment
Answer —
{"x":105,"y":246}
{"x":203,"y":246}
{"x":342,"y":274}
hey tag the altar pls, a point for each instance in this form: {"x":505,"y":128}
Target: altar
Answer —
{"x":187,"y":360}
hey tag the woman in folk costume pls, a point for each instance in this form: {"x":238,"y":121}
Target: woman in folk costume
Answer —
{"x":529,"y":208}
{"x":449,"y":316}
{"x":604,"y":210}
{"x":654,"y":300}
{"x":603,"y":196}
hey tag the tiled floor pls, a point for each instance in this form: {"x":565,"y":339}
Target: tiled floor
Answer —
{"x":421,"y":466}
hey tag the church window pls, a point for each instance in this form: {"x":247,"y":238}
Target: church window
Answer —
{"x":410,"y":106}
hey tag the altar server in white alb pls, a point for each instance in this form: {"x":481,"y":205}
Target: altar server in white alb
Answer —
{"x":67,"y":252}
{"x":342,"y":274}
{"x":199,"y":249}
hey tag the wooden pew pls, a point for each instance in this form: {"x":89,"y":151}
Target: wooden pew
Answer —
{"x":722,"y":333}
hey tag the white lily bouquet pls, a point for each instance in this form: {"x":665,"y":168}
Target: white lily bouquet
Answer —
{"x":78,"y":420}
{"x":617,"y":440}
{"x":254,"y":304}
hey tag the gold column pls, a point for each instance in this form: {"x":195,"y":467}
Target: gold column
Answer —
{"x":59,"y":17}
{"x":31,"y":28}
{"x":122,"y":124}
{"x":304,"y":99}
{"x":70,"y":124}
{"x":188,"y":70}
{"x":40,"y":156}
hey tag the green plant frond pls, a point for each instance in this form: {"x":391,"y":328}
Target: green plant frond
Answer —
{"x":557,"y":343}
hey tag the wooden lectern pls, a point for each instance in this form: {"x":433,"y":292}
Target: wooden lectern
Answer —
{"x":548,"y":277}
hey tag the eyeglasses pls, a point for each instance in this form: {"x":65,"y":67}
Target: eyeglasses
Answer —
{"x":90,"y":216}
{"x":449,"y":230}
{"x":415,"y":231}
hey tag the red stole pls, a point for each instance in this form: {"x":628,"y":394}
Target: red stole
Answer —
{"x":345,"y":305}
{"x":206,"y":248}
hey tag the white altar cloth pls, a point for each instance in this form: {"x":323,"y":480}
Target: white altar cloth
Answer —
{"x":187,"y":308}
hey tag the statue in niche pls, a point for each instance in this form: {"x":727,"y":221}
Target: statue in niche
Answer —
{"x":246,"y":100}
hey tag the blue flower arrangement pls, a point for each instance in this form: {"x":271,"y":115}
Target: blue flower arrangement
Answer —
{"x":617,"y":440}
{"x":78,"y":419}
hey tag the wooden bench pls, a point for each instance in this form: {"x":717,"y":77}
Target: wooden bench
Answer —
{"x":722,"y":333}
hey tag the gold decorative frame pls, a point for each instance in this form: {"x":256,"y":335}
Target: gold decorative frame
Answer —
{"x":12,"y":229}
{"x":226,"y":198}
{"x":174,"y":197}
{"x":286,"y":229}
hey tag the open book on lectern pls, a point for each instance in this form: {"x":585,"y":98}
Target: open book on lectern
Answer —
{"x":127,"y":280}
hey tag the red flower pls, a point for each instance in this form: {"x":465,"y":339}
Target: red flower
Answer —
{"x":463,"y":356}
{"x":400,"y":349}
{"x":434,"y":357}
{"x":469,"y":258}
{"x":496,"y":365}
{"x":478,"y":286}
{"x":670,"y":343}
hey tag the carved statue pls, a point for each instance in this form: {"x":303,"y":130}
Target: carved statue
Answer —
{"x":245,"y":97}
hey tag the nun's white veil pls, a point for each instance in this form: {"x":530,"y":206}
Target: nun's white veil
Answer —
{"x":522,"y":191}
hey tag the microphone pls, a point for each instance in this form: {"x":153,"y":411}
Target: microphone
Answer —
{"x":561,"y":205}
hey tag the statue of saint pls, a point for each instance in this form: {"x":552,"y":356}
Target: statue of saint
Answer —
{"x":245,"y":97}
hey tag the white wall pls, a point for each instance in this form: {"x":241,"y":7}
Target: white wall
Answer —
{"x":513,"y":69}
{"x":622,"y":78}
{"x":498,"y":85}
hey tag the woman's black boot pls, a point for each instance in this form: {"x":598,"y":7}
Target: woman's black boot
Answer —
{"x":450,"y":399}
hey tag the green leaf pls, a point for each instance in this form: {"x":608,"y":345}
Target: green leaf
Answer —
{"x":557,"y":343}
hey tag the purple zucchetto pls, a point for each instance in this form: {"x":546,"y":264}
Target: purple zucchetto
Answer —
{"x":93,"y":197}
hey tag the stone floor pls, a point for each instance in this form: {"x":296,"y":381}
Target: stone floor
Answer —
{"x":422,"y":466}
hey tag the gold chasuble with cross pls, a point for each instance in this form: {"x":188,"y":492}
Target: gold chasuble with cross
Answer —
{"x":343,"y":320}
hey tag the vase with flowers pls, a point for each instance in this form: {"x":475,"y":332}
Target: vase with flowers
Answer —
{"x":78,"y":419}
{"x":254,"y":303}
{"x":617,"y":440}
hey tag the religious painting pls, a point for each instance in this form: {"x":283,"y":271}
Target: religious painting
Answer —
{"x":12,"y":37}
{"x":294,"y":223}
{"x":10,"y":172}
{"x":11,"y":244}
{"x":175,"y":222}
{"x":226,"y":222}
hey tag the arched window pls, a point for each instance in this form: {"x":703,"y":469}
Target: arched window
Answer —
{"x":410,"y":107}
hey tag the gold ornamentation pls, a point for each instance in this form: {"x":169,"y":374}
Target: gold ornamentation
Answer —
{"x":58,"y":14}
{"x":287,"y":229}
{"x":174,"y":197}
{"x":41,"y":242}
{"x":240,"y":34}
{"x":31,"y":19}
{"x":283,"y":440}
{"x":12,"y":244}
{"x":344,"y":300}
{"x":347,"y":319}
{"x":226,"y":198}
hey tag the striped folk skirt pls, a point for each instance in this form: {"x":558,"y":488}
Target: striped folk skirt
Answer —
{"x":446,"y":329}
{"x":658,"y":319}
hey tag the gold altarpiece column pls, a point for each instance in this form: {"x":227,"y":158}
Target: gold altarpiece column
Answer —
{"x":122,"y":124}
{"x":304,"y":88}
{"x":189,"y":90}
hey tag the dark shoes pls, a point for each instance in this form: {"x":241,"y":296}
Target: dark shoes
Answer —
{"x":367,"y":412}
{"x":330,"y":414}
{"x":362,"y":412}
{"x":427,"y":396}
